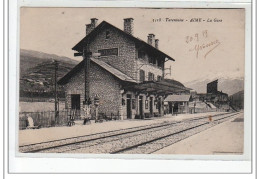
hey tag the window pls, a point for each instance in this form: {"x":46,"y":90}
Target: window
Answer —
{"x":142,"y":76}
{"x":160,"y":64}
{"x":151,"y":60}
{"x":107,"y":34}
{"x":154,"y":61}
{"x":150,"y":76}
{"x":141,"y":54}
{"x":159,"y":78}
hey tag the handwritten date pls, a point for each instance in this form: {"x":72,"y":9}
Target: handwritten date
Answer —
{"x":197,"y":36}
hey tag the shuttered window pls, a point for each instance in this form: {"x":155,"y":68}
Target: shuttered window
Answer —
{"x":142,"y":75}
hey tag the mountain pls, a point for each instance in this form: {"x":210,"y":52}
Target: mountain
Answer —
{"x":226,"y":85}
{"x":237,"y":99}
{"x":30,"y":58}
{"x":37,"y":70}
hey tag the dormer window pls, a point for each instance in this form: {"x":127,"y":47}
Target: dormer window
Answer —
{"x":107,"y":34}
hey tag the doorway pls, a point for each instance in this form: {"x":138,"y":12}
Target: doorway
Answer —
{"x":151,"y":106}
{"x":75,"y":101}
{"x":141,"y":110}
{"x":170,"y":108}
{"x":175,"y":107}
{"x":159,"y":104}
{"x":128,"y":106}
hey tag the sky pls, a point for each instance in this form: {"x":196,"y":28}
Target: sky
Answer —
{"x":203,"y":42}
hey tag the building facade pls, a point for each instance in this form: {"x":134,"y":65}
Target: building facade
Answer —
{"x":218,"y":98}
{"x":127,"y":75}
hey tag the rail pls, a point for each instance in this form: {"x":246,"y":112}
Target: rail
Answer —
{"x":39,"y":147}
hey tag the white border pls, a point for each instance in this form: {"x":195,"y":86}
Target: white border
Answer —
{"x":31,"y":165}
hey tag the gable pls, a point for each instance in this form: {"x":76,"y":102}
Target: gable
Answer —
{"x":103,"y":25}
{"x":78,"y":69}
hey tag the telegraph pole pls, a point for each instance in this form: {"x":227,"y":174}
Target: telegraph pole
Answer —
{"x":55,"y":86}
{"x":86,"y":103}
{"x":86,"y":55}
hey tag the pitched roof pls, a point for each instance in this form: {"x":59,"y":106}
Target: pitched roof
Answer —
{"x":174,"y":82}
{"x":178,"y":98}
{"x":79,"y":46}
{"x":113,"y":71}
{"x":158,"y":87}
{"x":120,"y":75}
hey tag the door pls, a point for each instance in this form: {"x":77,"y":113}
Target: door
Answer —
{"x":159,"y":104}
{"x":151,"y":105}
{"x":75,"y":101}
{"x":128,"y":107}
{"x":170,"y":107}
{"x":141,"y":107}
{"x":175,"y":107}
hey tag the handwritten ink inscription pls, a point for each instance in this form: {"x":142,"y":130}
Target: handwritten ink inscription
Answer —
{"x":201,"y":44}
{"x":197,"y":36}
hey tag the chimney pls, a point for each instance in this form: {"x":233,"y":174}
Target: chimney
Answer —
{"x":129,"y":25}
{"x":91,"y":26}
{"x":157,"y":43}
{"x":151,"y":39}
{"x":94,"y":22}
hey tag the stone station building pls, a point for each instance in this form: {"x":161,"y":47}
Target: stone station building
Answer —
{"x":127,"y":76}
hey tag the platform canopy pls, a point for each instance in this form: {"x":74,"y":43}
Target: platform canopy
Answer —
{"x":162,"y":87}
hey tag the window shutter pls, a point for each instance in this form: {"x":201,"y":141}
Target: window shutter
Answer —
{"x":142,"y":75}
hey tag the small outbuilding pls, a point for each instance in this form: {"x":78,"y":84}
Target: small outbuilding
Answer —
{"x":177,"y":103}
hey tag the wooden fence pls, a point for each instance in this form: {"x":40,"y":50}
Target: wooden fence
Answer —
{"x":47,"y":118}
{"x":39,"y":99}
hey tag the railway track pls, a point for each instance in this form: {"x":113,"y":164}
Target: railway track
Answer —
{"x":142,"y":139}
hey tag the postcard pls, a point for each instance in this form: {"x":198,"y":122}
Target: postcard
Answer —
{"x":138,"y":83}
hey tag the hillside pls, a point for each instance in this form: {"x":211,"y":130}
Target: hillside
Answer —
{"x":226,"y":85}
{"x":37,"y":70}
{"x":237,"y":99}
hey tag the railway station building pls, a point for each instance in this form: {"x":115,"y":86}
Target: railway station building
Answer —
{"x":127,"y":76}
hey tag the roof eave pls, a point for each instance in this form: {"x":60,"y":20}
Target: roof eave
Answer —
{"x":65,"y":79}
{"x":78,"y":48}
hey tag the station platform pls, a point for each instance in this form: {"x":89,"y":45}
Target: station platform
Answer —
{"x":226,"y":138}
{"x":30,"y":136}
